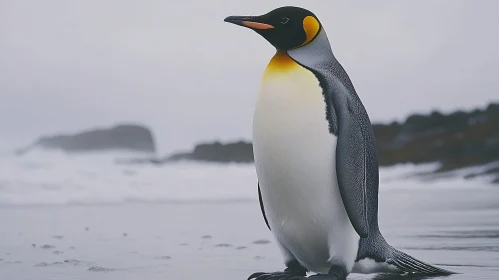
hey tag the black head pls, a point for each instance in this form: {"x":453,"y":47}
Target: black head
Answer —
{"x":285,"y":28}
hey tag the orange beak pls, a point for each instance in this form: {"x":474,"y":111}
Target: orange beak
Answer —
{"x":248,"y":22}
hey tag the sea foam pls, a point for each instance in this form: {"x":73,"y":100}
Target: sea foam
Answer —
{"x":53,"y":178}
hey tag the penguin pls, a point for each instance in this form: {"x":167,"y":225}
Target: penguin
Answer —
{"x":315,"y":158}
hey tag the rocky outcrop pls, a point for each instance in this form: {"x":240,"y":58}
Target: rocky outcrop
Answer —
{"x":239,"y":152}
{"x":125,"y":137}
{"x":456,"y":140}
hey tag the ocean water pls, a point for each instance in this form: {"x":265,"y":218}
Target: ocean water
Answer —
{"x":42,"y":178}
{"x":86,"y":217}
{"x":56,"y":178}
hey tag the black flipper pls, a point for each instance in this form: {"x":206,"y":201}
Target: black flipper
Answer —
{"x":351,"y":170}
{"x":409,"y":264}
{"x":261,"y":206}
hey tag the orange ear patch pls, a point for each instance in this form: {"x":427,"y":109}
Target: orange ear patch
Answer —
{"x":257,"y":25}
{"x":311,"y":27}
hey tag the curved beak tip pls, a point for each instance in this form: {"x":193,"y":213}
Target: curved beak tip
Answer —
{"x":234,"y":19}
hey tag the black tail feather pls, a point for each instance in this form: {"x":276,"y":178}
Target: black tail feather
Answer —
{"x":409,"y":264}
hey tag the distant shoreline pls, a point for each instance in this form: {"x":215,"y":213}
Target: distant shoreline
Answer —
{"x":455,"y":140}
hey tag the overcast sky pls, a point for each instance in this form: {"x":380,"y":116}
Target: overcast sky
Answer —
{"x":177,"y":67}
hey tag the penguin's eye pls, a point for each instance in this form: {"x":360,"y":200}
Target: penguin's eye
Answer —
{"x":284,"y":20}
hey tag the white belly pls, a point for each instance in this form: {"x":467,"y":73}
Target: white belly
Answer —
{"x":295,"y":164}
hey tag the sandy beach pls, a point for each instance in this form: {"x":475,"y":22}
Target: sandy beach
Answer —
{"x":457,"y":229}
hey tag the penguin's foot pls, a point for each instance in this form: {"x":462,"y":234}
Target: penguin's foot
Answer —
{"x":281,"y":275}
{"x":293,"y":270}
{"x":324,"y":277}
{"x":335,"y":273}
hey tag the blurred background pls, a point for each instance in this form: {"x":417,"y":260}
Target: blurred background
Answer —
{"x":125,"y":145}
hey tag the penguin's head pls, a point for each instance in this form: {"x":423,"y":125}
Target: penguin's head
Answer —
{"x":285,"y":28}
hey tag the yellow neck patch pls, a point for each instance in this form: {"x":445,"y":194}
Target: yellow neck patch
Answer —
{"x":311,"y":27}
{"x":281,"y":62}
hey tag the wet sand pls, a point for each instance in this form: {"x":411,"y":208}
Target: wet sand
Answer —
{"x":455,"y":228}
